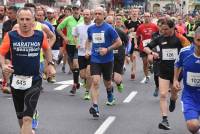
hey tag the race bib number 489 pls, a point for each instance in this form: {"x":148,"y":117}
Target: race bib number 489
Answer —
{"x":98,"y":38}
{"x":193,"y":79}
{"x":169,"y":54}
{"x":21,"y":82}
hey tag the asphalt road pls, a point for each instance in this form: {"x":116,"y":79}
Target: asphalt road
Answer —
{"x":61,"y":113}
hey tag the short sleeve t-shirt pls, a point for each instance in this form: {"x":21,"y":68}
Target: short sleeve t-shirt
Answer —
{"x":101,"y":36}
{"x":145,"y":31}
{"x":70,"y":23}
{"x":81,"y":32}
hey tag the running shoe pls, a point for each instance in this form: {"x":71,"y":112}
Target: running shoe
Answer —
{"x":94,"y":111}
{"x":74,"y":88}
{"x":145,"y":80}
{"x":35,"y":120}
{"x":60,"y":57}
{"x":120,"y":87}
{"x":155,"y":94}
{"x":87,"y":95}
{"x":132,"y":76}
{"x":6,"y":89}
{"x":172,"y":105}
{"x":63,"y":69}
{"x":51,"y":79}
{"x":111,"y":100}
{"x":164,"y":125}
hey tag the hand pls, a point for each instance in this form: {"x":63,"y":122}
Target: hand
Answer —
{"x":103,"y":51}
{"x":87,"y":55}
{"x":66,"y":41}
{"x":176,"y":85}
{"x":78,"y":46}
{"x":155,"y":55}
{"x":7,"y":71}
{"x":50,"y":71}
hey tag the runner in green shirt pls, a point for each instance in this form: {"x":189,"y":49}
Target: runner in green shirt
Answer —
{"x":70,"y":23}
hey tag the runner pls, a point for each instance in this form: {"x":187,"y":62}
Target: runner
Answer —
{"x":170,"y":45}
{"x":132,"y":25}
{"x":145,"y":31}
{"x":119,"y":53}
{"x":70,"y":23}
{"x":25,"y":80}
{"x":104,"y":39}
{"x":188,"y":62}
{"x":80,"y":34}
{"x":7,"y":26}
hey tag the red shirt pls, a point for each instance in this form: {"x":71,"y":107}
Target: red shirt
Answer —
{"x":145,"y":31}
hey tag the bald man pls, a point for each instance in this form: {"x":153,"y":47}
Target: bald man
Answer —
{"x":104,"y":40}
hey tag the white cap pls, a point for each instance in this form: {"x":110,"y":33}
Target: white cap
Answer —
{"x":50,"y":10}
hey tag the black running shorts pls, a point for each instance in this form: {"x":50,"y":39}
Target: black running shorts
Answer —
{"x":83,"y":62}
{"x":25,"y":101}
{"x":102,"y":68}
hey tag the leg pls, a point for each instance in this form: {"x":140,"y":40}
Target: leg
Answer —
{"x":27,"y":125}
{"x":164,"y":87}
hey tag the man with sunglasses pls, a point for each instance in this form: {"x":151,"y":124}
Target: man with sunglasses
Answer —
{"x":189,"y":63}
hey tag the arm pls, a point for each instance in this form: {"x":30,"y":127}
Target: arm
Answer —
{"x":51,"y":36}
{"x":117,"y":43}
{"x":6,"y":68}
{"x":176,"y":83}
{"x":151,"y":45}
{"x":60,"y":27}
{"x":48,"y":54}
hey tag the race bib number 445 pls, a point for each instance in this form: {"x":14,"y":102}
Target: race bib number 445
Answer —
{"x":169,"y":54}
{"x":98,"y":38}
{"x":193,"y":79}
{"x":21,"y":82}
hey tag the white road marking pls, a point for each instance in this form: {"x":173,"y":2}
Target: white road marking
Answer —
{"x":59,"y":88}
{"x":130,"y":97}
{"x":102,"y":129}
{"x":67,"y":82}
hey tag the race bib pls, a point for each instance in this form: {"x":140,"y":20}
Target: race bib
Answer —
{"x":169,"y":54}
{"x":146,"y":42}
{"x":98,"y":38}
{"x":21,"y":82}
{"x":115,"y":51}
{"x":193,"y":79}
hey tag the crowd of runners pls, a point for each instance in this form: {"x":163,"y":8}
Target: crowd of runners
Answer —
{"x":94,"y":43}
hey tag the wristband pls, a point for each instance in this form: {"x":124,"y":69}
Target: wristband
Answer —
{"x":109,"y":49}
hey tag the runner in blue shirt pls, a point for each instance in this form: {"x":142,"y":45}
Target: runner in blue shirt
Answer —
{"x":189,"y":63}
{"x":104,"y":39}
